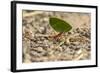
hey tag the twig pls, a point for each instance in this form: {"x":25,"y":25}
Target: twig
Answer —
{"x":31,"y":14}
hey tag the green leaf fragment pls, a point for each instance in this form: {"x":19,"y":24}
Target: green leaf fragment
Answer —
{"x":61,"y":43}
{"x":59,"y":25}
